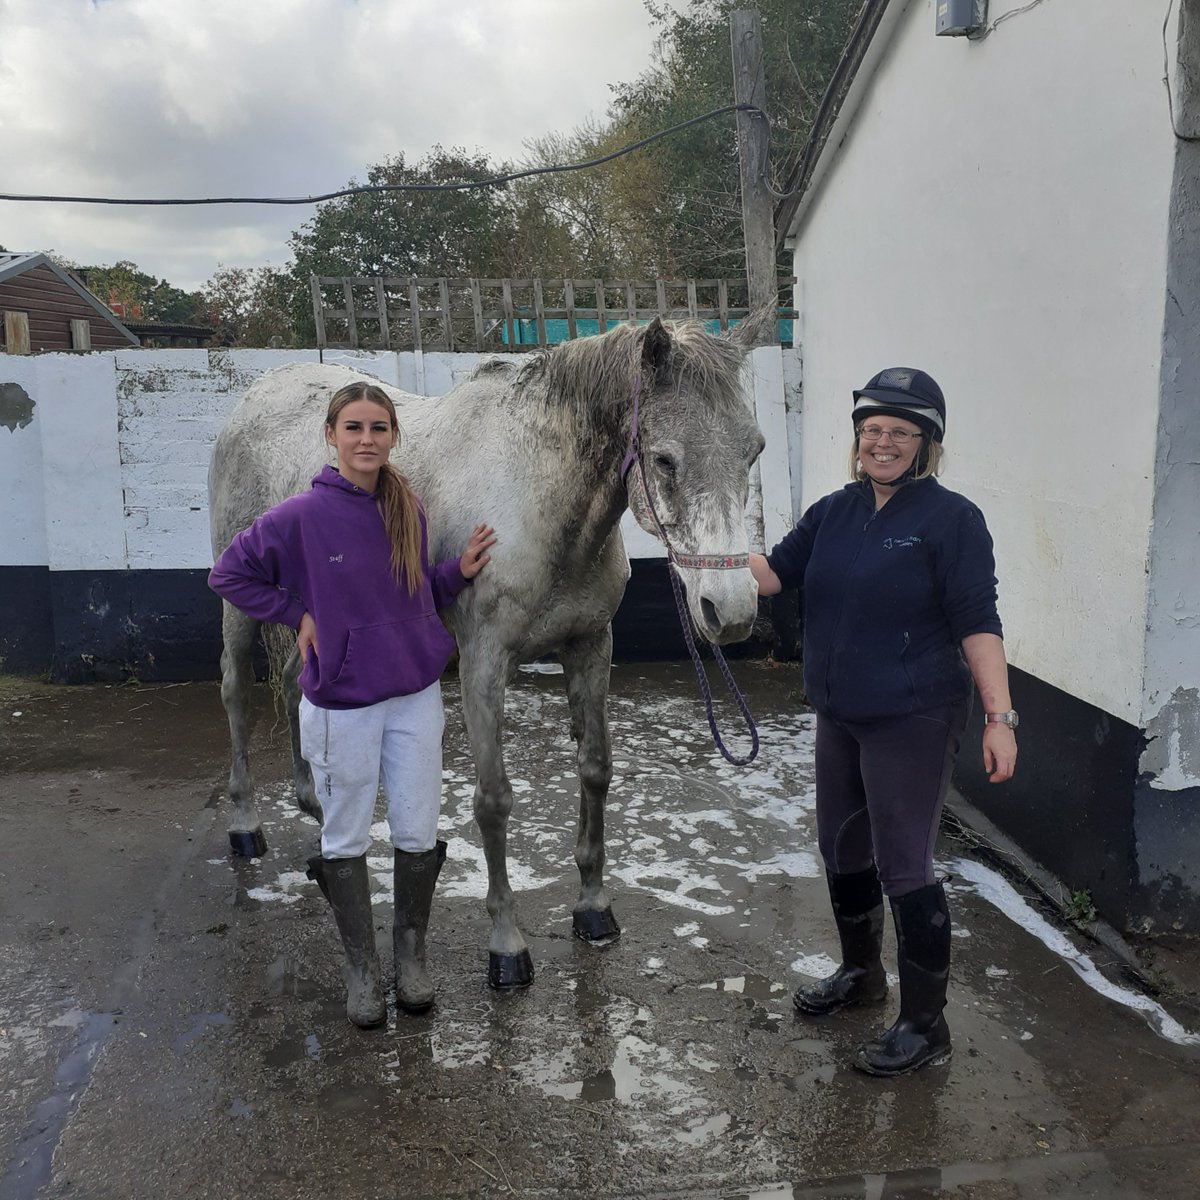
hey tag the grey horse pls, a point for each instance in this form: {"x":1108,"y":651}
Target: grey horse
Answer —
{"x":535,"y":450}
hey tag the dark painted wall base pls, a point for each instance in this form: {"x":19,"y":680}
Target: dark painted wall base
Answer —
{"x":26,"y":624}
{"x":1166,"y":892}
{"x":110,"y":626}
{"x":1077,"y":806}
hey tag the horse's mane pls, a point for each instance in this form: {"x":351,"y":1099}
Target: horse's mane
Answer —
{"x":592,"y":378}
{"x":493,"y":366}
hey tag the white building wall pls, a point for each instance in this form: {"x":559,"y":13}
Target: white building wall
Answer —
{"x":996,"y":214}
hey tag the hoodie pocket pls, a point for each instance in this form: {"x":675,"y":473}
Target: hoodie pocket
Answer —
{"x":393,"y":658}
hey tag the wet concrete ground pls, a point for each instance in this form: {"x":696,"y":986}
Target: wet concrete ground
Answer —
{"x":171,"y":1021}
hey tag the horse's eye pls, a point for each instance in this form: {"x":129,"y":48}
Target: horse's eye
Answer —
{"x":665,"y":463}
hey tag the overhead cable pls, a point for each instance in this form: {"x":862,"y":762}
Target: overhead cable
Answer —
{"x":369,"y":188}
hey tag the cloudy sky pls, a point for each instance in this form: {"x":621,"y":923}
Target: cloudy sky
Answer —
{"x":183,"y":98}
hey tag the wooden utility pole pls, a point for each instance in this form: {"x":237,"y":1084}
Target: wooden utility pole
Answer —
{"x":758,"y":224}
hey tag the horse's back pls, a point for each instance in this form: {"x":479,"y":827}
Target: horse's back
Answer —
{"x":272,"y":444}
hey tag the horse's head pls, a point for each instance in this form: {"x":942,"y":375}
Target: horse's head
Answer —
{"x":698,"y":441}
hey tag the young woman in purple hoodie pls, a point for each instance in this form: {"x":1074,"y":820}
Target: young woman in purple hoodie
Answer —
{"x":345,"y":564}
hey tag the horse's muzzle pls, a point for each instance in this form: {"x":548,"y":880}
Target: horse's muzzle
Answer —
{"x":726,"y":614}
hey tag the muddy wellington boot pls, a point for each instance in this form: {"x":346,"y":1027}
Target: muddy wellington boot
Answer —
{"x":346,"y":886}
{"x":920,"y":1034}
{"x":858,"y":911}
{"x":416,"y":876}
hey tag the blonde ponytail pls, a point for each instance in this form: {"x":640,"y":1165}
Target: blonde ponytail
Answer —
{"x":402,"y":520}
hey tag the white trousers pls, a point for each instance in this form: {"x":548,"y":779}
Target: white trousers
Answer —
{"x":352,"y":750}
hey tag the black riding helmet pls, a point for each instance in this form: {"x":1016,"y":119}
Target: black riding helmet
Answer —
{"x":903,"y":392}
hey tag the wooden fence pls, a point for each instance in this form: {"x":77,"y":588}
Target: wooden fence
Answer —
{"x":513,"y":314}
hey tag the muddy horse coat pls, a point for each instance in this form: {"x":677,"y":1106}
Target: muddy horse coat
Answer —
{"x":535,"y":450}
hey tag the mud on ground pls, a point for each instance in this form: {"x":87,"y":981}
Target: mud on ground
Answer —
{"x":171,"y":1020}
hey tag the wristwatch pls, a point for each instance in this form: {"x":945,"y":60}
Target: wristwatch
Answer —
{"x":1009,"y":718}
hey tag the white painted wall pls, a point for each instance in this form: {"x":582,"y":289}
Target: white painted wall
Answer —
{"x":995,"y":212}
{"x":23,"y":529}
{"x":112,"y":471}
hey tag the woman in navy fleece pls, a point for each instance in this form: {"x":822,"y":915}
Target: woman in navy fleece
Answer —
{"x":345,"y":564}
{"x":899,"y":590}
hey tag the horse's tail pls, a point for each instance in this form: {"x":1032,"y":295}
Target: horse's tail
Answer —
{"x":280,"y":643}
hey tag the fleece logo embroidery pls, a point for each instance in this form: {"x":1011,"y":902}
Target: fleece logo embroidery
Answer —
{"x":336,"y":557}
{"x":904,"y":543}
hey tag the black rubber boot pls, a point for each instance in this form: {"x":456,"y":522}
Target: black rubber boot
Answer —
{"x":346,"y":886}
{"x":416,"y":876}
{"x":858,"y":912}
{"x":920,"y":1034}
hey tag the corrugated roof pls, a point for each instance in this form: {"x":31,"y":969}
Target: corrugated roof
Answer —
{"x":14,"y":264}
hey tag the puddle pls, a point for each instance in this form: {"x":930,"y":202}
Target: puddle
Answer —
{"x":294,"y":1050}
{"x":756,"y":992}
{"x":753,"y":987}
{"x":30,"y":1165}
{"x":284,"y":979}
{"x":610,"y":1055}
{"x":199,"y":1027}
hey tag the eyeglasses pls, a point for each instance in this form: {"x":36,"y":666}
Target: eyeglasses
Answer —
{"x":900,"y":437}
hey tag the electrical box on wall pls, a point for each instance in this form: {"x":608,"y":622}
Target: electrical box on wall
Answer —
{"x":961,"y":18}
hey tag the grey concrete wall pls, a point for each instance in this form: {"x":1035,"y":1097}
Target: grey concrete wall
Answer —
{"x":1168,"y":806}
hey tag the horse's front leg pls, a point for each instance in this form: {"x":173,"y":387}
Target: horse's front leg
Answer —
{"x":483,"y":683}
{"x":586,"y":664}
{"x":239,"y":633}
{"x":306,"y":793}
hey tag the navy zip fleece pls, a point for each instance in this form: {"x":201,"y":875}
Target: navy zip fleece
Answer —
{"x":888,"y":597}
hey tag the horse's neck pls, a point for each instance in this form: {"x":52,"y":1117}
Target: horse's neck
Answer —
{"x":587,"y":465}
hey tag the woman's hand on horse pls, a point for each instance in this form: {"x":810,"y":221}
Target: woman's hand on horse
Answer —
{"x":475,"y":557}
{"x":306,"y":636}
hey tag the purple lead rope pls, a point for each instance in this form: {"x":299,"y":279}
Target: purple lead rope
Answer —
{"x":633,"y":460}
{"x":726,"y":674}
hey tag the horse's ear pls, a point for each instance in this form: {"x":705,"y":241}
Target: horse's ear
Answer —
{"x":656,"y":349}
{"x":758,"y":329}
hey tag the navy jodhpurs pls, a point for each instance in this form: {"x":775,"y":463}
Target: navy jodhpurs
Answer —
{"x":880,"y":789}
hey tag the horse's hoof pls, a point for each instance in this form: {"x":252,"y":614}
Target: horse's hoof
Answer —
{"x":248,"y":843}
{"x":595,"y":925}
{"x":510,"y":970}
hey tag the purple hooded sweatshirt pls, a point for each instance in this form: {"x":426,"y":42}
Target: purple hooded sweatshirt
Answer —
{"x":326,"y":552}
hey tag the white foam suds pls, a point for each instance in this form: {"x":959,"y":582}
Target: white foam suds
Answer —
{"x":686,"y":829}
{"x":816,"y":965}
{"x":994,"y":888}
